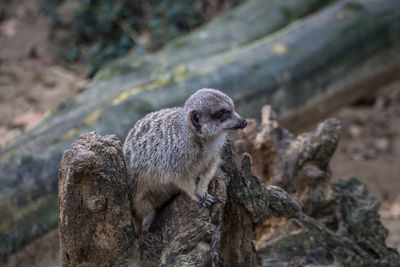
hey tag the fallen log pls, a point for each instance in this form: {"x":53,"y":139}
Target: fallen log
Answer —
{"x":288,"y":69}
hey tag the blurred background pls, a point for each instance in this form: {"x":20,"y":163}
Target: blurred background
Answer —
{"x":69,"y":67}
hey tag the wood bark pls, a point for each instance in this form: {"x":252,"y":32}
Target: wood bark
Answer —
{"x":95,"y":223}
{"x":338,"y":49}
{"x":338,"y":223}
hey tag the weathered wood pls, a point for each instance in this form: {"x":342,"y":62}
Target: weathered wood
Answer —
{"x":339,"y":223}
{"x":298,"y":164}
{"x":249,"y":202}
{"x":180,"y":226}
{"x":250,"y":21}
{"x":331,"y":49}
{"x":95,"y":222}
{"x":346,"y":233}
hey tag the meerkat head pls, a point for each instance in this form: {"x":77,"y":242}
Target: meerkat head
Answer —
{"x":210,"y":113}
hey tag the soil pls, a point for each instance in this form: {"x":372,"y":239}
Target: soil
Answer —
{"x":369,"y":149}
{"x":33,"y":80}
{"x":33,"y":76}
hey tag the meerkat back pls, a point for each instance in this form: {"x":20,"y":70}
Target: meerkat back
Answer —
{"x":146,"y":152}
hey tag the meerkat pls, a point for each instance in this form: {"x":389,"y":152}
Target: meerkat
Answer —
{"x":177,"y":149}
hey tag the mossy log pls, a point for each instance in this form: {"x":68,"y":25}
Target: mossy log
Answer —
{"x":338,"y":49}
{"x":338,"y":224}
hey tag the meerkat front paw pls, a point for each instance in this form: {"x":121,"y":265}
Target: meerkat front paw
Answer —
{"x":207,"y":200}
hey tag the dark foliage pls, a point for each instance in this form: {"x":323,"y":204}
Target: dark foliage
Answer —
{"x":105,"y":29}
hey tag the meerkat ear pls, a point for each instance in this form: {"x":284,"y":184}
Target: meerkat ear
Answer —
{"x":195,"y":120}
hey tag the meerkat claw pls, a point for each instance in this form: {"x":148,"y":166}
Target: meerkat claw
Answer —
{"x":201,"y":198}
{"x":217,"y":201}
{"x":210,"y":201}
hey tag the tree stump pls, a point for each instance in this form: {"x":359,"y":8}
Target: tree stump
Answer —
{"x":339,"y":224}
{"x":94,"y":209}
{"x":93,"y":191}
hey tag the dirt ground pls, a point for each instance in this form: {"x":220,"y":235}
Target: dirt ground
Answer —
{"x":369,"y":149}
{"x":33,"y":80}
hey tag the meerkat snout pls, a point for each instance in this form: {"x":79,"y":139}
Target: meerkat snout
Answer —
{"x":238,"y":122}
{"x":242,"y":124}
{"x":178,"y":149}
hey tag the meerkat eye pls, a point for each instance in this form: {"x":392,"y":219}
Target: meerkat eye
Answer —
{"x":221,"y":114}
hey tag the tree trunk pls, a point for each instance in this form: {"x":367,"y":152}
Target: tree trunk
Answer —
{"x":337,"y":50}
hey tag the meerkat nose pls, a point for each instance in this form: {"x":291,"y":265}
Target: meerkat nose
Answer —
{"x":243,"y":124}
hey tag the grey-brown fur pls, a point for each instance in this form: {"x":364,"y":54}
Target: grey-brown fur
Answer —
{"x":177,"y":149}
